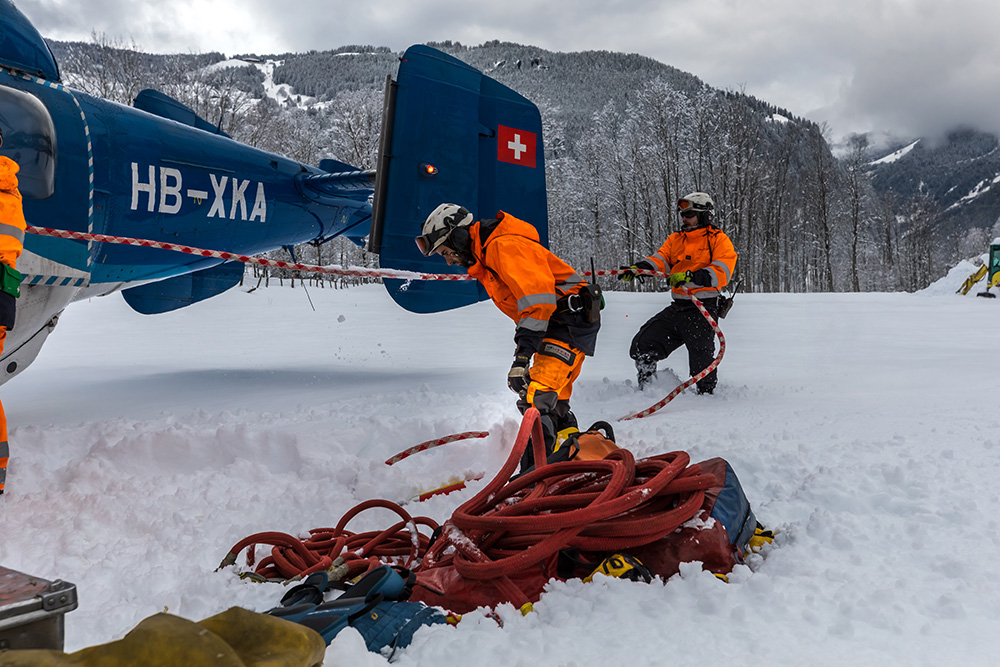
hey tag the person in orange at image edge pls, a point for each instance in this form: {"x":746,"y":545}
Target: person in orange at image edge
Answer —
{"x":11,"y":244}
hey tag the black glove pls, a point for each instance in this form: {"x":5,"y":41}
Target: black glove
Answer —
{"x":517,"y":377}
{"x":701,"y":277}
{"x":8,"y":306}
{"x":628,"y":273}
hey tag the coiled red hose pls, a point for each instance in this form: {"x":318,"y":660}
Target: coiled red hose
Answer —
{"x":598,"y":506}
{"x":343,"y":553}
{"x":610,"y":505}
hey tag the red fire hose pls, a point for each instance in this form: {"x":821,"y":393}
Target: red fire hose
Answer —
{"x":609,"y":505}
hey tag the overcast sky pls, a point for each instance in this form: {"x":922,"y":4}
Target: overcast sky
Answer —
{"x":913,"y":67}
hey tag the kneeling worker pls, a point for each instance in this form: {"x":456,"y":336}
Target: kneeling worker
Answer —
{"x":556,"y":311}
{"x":700,"y":258}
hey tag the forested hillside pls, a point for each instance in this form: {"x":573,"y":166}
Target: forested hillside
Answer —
{"x":624,"y":137}
{"x":957,"y":176}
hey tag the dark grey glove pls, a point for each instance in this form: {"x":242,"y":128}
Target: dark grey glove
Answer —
{"x":517,"y":377}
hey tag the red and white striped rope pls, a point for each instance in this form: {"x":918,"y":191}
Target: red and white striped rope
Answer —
{"x":291,"y":266}
{"x":218,"y":254}
{"x":431,"y":444}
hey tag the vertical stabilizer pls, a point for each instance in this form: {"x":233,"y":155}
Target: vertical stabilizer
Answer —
{"x":451,"y":134}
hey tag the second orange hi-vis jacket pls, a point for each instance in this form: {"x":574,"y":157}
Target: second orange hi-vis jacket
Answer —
{"x":705,"y":248}
{"x":526,"y":281}
{"x":11,"y":216}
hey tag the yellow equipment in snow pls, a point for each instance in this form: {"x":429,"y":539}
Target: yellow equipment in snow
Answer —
{"x":976,"y":276}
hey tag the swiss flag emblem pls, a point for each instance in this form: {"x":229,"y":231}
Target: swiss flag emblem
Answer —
{"x":516,"y":146}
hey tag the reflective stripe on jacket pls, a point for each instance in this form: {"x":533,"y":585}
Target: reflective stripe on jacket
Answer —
{"x":524,"y":278}
{"x":702,"y":248}
{"x":11,"y":216}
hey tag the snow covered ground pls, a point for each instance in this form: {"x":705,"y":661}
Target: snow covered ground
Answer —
{"x":864,"y":428}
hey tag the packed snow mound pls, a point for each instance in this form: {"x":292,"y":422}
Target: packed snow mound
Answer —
{"x":952,"y":281}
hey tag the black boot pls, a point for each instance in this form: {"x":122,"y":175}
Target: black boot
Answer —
{"x":645,"y":372}
{"x":565,"y":423}
{"x":548,"y":436}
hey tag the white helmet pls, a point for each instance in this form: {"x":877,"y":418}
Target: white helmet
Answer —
{"x":440,"y":224}
{"x":700,"y":203}
{"x":696,"y":201}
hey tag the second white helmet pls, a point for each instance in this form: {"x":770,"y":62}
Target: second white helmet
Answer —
{"x":440,"y":224}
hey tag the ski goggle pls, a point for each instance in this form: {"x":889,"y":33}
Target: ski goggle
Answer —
{"x":688,"y":209}
{"x":428,"y":243}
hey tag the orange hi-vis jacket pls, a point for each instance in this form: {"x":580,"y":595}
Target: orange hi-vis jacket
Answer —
{"x":11,"y":216}
{"x":523,"y":277}
{"x":703,"y":248}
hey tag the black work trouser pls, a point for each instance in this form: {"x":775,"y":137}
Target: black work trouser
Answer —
{"x":680,"y":323}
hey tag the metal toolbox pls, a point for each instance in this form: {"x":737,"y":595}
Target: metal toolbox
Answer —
{"x":32,"y":611}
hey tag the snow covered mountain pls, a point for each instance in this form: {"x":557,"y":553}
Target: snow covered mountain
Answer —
{"x":960,"y":174}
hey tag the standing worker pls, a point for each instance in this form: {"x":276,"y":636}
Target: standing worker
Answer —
{"x":558,"y":314}
{"x":701,"y":258}
{"x":11,"y":244}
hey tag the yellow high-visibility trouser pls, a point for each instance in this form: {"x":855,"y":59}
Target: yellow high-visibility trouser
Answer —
{"x":554,"y":369}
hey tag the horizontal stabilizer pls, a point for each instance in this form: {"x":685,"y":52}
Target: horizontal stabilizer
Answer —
{"x":179,"y":291}
{"x":357,"y":183}
{"x":341,"y":181}
{"x":451,"y":134}
{"x":164,"y":106}
{"x":333,"y":166}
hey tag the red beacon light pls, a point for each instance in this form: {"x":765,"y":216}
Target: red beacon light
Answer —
{"x":428,"y":169}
